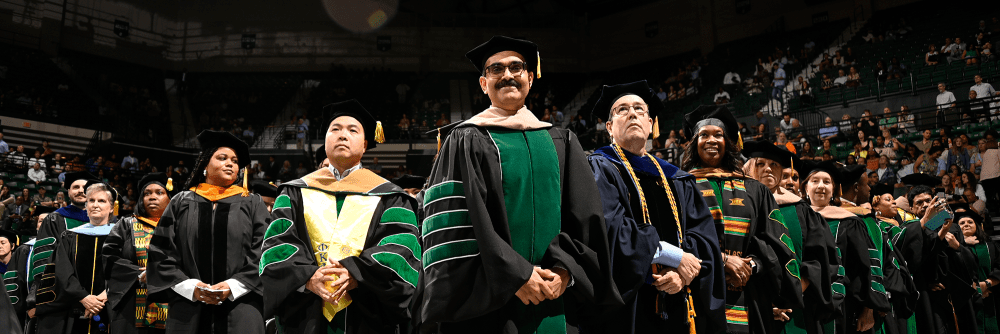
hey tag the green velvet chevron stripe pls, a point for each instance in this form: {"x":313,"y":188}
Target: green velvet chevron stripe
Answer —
{"x":841,"y":271}
{"x":277,"y":227}
{"x":450,"y":250}
{"x":446,"y":219}
{"x":282,"y":202}
{"x":878,"y":287}
{"x":398,"y":264}
{"x":276,"y":254}
{"x":399,"y":215}
{"x":785,"y":239}
{"x":876,"y":271}
{"x":71,"y":224}
{"x":793,"y":267}
{"x":442,"y":190}
{"x":839,"y":288}
{"x":776,"y":215}
{"x":406,"y":240}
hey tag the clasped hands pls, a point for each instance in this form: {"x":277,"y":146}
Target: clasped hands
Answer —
{"x":339,"y":278}
{"x":543,"y":284}
{"x":92,"y":305}
{"x":203,"y":294}
{"x":738,"y":270}
{"x":672,"y":280}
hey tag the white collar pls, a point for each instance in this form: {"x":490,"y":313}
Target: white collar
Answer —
{"x":337,"y":175}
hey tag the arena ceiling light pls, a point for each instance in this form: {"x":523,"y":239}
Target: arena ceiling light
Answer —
{"x":361,"y":16}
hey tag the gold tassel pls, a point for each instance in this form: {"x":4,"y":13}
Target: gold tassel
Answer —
{"x":379,"y":134}
{"x":170,"y":184}
{"x":439,"y":140}
{"x":115,"y":210}
{"x":739,"y":143}
{"x":538,"y":65}
{"x":656,"y":127}
{"x":691,"y":314}
{"x":246,"y":190}
{"x":792,"y":162}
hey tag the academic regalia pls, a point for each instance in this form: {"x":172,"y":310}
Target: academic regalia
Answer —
{"x":365,"y":223}
{"x":78,"y":273}
{"x":65,"y":218}
{"x":982,"y":262}
{"x":9,"y":322}
{"x":15,"y":279}
{"x":125,"y":257}
{"x":210,"y":234}
{"x":634,"y":243}
{"x":479,"y":226}
{"x":924,"y":255}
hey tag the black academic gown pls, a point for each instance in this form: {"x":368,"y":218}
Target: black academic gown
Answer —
{"x":925,"y":258}
{"x":749,"y":224}
{"x":633,"y":245}
{"x":817,"y":251}
{"x":862,"y":287}
{"x":78,"y":272}
{"x":899,"y":283}
{"x":473,"y":261}
{"x":121,"y":266}
{"x":982,"y":261}
{"x":52,"y":227}
{"x":9,"y":322}
{"x":386,"y":270}
{"x":195,"y":241}
{"x":15,"y":280}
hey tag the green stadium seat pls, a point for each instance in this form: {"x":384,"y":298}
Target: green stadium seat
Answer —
{"x":977,"y":135}
{"x":960,"y":129}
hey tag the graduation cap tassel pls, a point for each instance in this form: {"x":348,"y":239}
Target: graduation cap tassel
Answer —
{"x":246,"y":190}
{"x":739,"y":143}
{"x":538,"y":65}
{"x":114,"y":211}
{"x":690,"y":312}
{"x":656,"y":127}
{"x":439,"y":140}
{"x":170,"y":184}
{"x":379,"y":134}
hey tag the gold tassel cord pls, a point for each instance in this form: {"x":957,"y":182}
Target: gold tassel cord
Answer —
{"x":439,"y":140}
{"x":246,"y":190}
{"x":114,"y":210}
{"x":656,"y":127}
{"x":379,"y":134}
{"x":170,"y":184}
{"x":739,"y":142}
{"x":538,"y":65}
{"x":691,"y":313}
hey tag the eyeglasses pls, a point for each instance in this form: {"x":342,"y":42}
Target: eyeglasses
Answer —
{"x":498,"y":69}
{"x":622,"y":110}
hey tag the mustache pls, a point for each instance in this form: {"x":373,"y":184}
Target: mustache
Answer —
{"x":505,"y":83}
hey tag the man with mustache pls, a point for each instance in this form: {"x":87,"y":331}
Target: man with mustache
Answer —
{"x":512,"y":216}
{"x":341,"y":254}
{"x":665,"y":250}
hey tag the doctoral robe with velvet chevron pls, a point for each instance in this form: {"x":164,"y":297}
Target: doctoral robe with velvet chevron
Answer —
{"x":365,"y":223}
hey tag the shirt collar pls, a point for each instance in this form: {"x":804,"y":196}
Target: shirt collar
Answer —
{"x":337,"y":175}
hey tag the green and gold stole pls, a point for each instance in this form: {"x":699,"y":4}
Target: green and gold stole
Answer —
{"x":152,"y":315}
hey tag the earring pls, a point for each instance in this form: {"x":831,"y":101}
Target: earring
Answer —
{"x":204,"y":172}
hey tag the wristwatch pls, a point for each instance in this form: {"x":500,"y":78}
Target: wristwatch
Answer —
{"x":753,"y":267}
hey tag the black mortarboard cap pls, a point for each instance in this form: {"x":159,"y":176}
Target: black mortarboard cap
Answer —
{"x":967,"y":213}
{"x":767,"y":150}
{"x":11,"y":236}
{"x":408,"y":181}
{"x":75,"y":176}
{"x":320,"y":154}
{"x":40,"y":209}
{"x":705,"y":114}
{"x":498,"y":44}
{"x":209,"y":139}
{"x":920,"y":179}
{"x":829,"y":167}
{"x":160,"y":178}
{"x":610,"y":94}
{"x":852,"y":173}
{"x":353,"y":108}
{"x":264,"y":189}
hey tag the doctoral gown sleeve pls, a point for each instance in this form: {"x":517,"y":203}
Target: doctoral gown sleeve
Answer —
{"x":287,"y":261}
{"x":68,"y":290}
{"x":899,"y":284}
{"x":632,"y":244}
{"x":387,"y":269}
{"x":819,"y":264}
{"x":165,"y":263}
{"x":9,"y":322}
{"x":581,"y":247}
{"x":854,"y":243}
{"x":120,"y":265}
{"x":45,"y":246}
{"x":778,"y":269}
{"x":469,"y":269}
{"x":259,"y":217}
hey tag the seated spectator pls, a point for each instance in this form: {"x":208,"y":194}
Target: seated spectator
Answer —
{"x":17,"y":157}
{"x":731,"y":80}
{"x":796,"y":133}
{"x":888,"y":122}
{"x":808,"y":152}
{"x":301,"y":170}
{"x":681,"y":91}
{"x":841,"y":78}
{"x":868,"y":123}
{"x":853,"y":78}
{"x":849,"y":58}
{"x":755,"y":86}
{"x":886,"y":145}
{"x":829,"y":130}
{"x":248,"y":134}
{"x":838,"y":59}
{"x":36,"y":174}
{"x":825,"y":63}
{"x":971,"y":57}
{"x":897,"y":70}
{"x":881,"y":73}
{"x":37,"y":159}
{"x":976,"y":110}
{"x":722,"y":97}
{"x":976,"y":160}
{"x":660,"y":94}
{"x":929,"y":163}
{"x":672,"y":95}
{"x":441,"y":121}
{"x":827,"y":84}
{"x":827,"y":156}
{"x":4,"y":148}
{"x":781,"y":141}
{"x":761,"y":133}
{"x":786,"y":122}
{"x":42,"y":198}
{"x":602,"y":131}
{"x":932,"y":56}
{"x":906,"y":124}
{"x":846,"y":125}
{"x":869,"y":38}
{"x":986,"y":54}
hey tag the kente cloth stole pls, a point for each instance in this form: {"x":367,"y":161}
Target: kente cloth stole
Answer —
{"x":338,"y":228}
{"x":155,"y":314}
{"x":533,"y":199}
{"x":725,"y":198}
{"x":986,"y":315}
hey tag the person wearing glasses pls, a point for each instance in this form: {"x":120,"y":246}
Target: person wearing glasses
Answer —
{"x":513,"y":233}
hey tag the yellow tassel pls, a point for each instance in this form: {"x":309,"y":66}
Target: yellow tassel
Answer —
{"x":439,"y":140}
{"x":739,"y":143}
{"x":115,"y":210}
{"x":792,"y":162}
{"x":538,"y":65}
{"x":379,"y":134}
{"x":170,"y":184}
{"x":656,"y":127}
{"x":691,"y":314}
{"x":246,"y":190}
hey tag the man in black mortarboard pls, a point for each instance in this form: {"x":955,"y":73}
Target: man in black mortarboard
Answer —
{"x":523,"y":252}
{"x":664,"y":247}
{"x":342,"y":251}
{"x":268,"y":192}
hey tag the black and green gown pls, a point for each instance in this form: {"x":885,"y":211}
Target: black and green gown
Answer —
{"x":985,"y":260}
{"x":634,"y":244}
{"x":15,"y":280}
{"x":750,"y":224}
{"x":125,"y":257}
{"x":193,"y":240}
{"x":9,"y":322}
{"x":500,"y":202}
{"x":65,"y":218}
{"x":816,"y":250}
{"x":365,"y":223}
{"x":926,"y":259}
{"x":79,"y":272}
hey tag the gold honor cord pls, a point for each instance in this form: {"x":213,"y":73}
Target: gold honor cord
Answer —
{"x":645,"y":216}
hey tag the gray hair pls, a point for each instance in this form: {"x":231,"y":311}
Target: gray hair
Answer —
{"x":100,"y":187}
